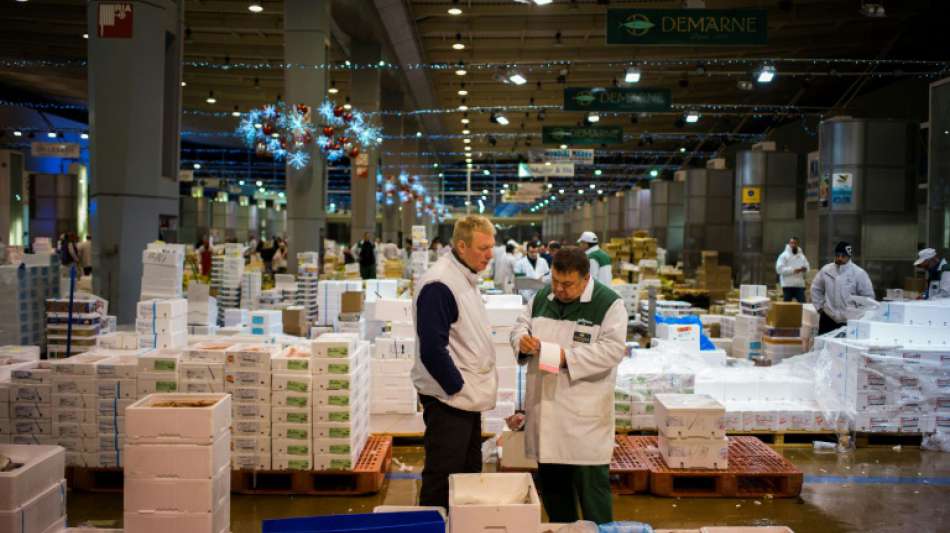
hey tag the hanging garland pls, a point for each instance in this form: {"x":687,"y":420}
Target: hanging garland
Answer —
{"x":345,"y":132}
{"x":408,"y":190}
{"x":284,"y":131}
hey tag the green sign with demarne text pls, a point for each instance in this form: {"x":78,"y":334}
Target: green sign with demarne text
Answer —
{"x":617,"y":99}
{"x":580,"y":136}
{"x":687,"y":26}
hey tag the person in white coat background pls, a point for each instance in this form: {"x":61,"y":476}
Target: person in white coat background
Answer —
{"x":938,"y":274}
{"x":599,"y":260}
{"x":833,"y":287}
{"x":791,"y":266}
{"x":569,"y":415}
{"x":532,"y":266}
{"x":503,"y":270}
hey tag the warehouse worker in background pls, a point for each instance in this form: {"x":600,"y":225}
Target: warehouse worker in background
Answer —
{"x":569,"y":420}
{"x":547,"y":253}
{"x":454,"y":369}
{"x":532,"y":266}
{"x":599,"y":260}
{"x":367,"y":257}
{"x":503,"y":270}
{"x":791,"y":267}
{"x":834,"y":286}
{"x":938,"y":274}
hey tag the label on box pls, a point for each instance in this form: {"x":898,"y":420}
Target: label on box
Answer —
{"x":339,"y":401}
{"x":298,"y":386}
{"x":298,"y":364}
{"x":298,"y":449}
{"x":298,"y":418}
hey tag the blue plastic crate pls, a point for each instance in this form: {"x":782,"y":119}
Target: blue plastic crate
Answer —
{"x":404,"y":522}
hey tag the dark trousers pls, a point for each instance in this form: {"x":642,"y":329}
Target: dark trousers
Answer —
{"x":368,"y":271}
{"x":826,"y":324}
{"x":563,"y":486}
{"x":453,"y":445}
{"x":793,"y":293}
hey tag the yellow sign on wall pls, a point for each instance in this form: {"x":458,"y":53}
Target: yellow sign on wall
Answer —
{"x":751,"y":199}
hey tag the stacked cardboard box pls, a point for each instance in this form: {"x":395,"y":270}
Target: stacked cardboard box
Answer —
{"x":74,"y":409}
{"x":295,"y":321}
{"x":266,"y":322}
{"x":341,"y":400}
{"x":715,"y":278}
{"x":308,"y":280}
{"x":643,"y":247}
{"x":31,"y":391}
{"x":227,"y":271}
{"x":392,"y":390}
{"x":162,"y":324}
{"x":291,"y":414}
{"x":248,"y":381}
{"x":157,"y":372}
{"x":33,"y":489}
{"x":781,"y":337}
{"x":639,"y":379}
{"x":177,"y":469}
{"x":163,"y":267}
{"x":250,"y":290}
{"x":116,"y":389}
{"x":25,"y":288}
{"x":393,"y":269}
{"x":78,"y":328}
{"x":202,"y":367}
{"x":329,"y":296}
{"x":747,"y":329}
{"x":691,"y":431}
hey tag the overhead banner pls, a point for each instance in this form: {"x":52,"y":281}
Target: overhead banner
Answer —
{"x":67,"y":150}
{"x":186,"y":176}
{"x":687,"y":26}
{"x":581,"y":135}
{"x":622,"y":99}
{"x":578,"y":156}
{"x":554,"y":170}
{"x":523,"y":193}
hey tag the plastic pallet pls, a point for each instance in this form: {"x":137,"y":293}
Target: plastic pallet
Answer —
{"x":755,"y":470}
{"x":366,"y":477}
{"x":629,"y":471}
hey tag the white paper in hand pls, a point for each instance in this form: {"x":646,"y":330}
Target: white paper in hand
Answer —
{"x":550,"y":360}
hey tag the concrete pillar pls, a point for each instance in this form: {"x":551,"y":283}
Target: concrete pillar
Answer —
{"x":306,"y":41}
{"x":411,"y":167}
{"x":134,"y":85}
{"x":392,"y":126}
{"x":364,"y":95}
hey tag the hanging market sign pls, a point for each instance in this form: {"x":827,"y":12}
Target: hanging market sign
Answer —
{"x":583,"y":156}
{"x":581,"y":135}
{"x":687,"y":26}
{"x":67,"y":150}
{"x":523,"y":193}
{"x":622,"y":99}
{"x":555,"y":170}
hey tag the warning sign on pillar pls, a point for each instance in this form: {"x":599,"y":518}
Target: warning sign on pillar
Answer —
{"x":115,"y":21}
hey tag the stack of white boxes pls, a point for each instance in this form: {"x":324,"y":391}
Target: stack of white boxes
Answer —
{"x":747,"y":329}
{"x":178,"y":464}
{"x":392,"y":391}
{"x":248,"y":380}
{"x":270,"y":299}
{"x":419,"y":257}
{"x":116,"y":389}
{"x":308,"y":276}
{"x":74,"y":409}
{"x":329,"y":298}
{"x":202,"y":310}
{"x":157,"y":372}
{"x":250,"y":290}
{"x":162,"y":324}
{"x":23,"y":306}
{"x":236,"y":318}
{"x":503,"y":312}
{"x":227,"y":271}
{"x":33,"y":491}
{"x":292,"y":412}
{"x":266,"y":322}
{"x":341,"y":400}
{"x":163,"y":267}
{"x":639,"y":379}
{"x":31,"y":389}
{"x":202,"y":367}
{"x":78,"y":329}
{"x":691,"y":430}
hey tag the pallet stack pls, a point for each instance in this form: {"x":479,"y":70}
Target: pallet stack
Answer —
{"x":157,"y":372}
{"x":341,"y":400}
{"x":715,"y":278}
{"x":163,"y":268}
{"x":248,"y":380}
{"x":177,"y":470}
{"x":227,"y":272}
{"x":308,"y":279}
{"x":77,"y":328}
{"x":31,"y":389}
{"x":747,"y":330}
{"x":74,"y":411}
{"x":25,"y":288}
{"x":202,"y":367}
{"x":691,"y":431}
{"x":292,"y":411}
{"x":250,"y":290}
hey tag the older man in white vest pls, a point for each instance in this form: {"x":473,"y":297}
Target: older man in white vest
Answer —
{"x":454,"y":369}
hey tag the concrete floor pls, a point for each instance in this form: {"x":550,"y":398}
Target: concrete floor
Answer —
{"x":869,"y":490}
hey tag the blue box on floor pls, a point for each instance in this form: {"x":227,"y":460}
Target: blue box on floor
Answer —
{"x":402,"y":522}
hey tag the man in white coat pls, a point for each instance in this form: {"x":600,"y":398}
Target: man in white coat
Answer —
{"x":938,"y":274}
{"x":599,"y":260}
{"x":503,"y":270}
{"x":532,"y":266}
{"x":569,"y":417}
{"x":791,"y":267}
{"x":833,"y":287}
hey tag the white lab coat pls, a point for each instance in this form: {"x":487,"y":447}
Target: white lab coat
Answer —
{"x":833,"y":287}
{"x":787,"y":264}
{"x":569,"y":416}
{"x":503,"y":272}
{"x":602,"y":274}
{"x":940,"y":287}
{"x":539,"y":271}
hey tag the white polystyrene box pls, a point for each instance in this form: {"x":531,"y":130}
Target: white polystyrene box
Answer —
{"x":175,"y":494}
{"x":201,"y":371}
{"x":118,"y":367}
{"x":153,"y":420}
{"x":77,"y":365}
{"x":294,"y":359}
{"x":162,"y":308}
{"x":481,"y":503}
{"x":694,"y":452}
{"x":164,"y":522}
{"x":42,"y":467}
{"x":63,"y":384}
{"x":181,"y":461}
{"x":251,"y":356}
{"x":335,"y":345}
{"x":914,"y":313}
{"x":689,"y":415}
{"x":885,"y":332}
{"x":207,"y":352}
{"x":159,"y":361}
{"x":393,"y":310}
{"x":37,"y":515}
{"x":242,"y":444}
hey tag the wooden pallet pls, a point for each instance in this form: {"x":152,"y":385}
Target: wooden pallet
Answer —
{"x":367,"y":477}
{"x":755,"y":470}
{"x":95,"y":479}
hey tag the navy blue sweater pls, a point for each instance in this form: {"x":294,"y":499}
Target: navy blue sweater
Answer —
{"x":436,"y":311}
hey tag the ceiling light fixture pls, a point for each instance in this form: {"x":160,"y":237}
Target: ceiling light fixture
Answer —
{"x":255,"y":7}
{"x":183,"y":84}
{"x":766,"y":74}
{"x":347,"y":105}
{"x":235,"y":113}
{"x":486,"y":172}
{"x":542,"y":2}
{"x":468,"y":148}
{"x":872,"y":9}
{"x":418,"y":134}
{"x":458,"y":44}
{"x":51,"y":135}
{"x":466,"y":140}
{"x":515,"y":76}
{"x":333,"y":89}
{"x":598,"y":172}
{"x":196,"y":166}
{"x":455,"y":10}
{"x":498,"y":118}
{"x":463,"y":106}
{"x":463,"y":91}
{"x":259,"y":183}
{"x":211,"y":99}
{"x":563,"y":147}
{"x":593,"y":118}
{"x":460,"y":70}
{"x":84,"y":136}
{"x":592,"y":186}
{"x":17,"y":133}
{"x":466,"y":131}
{"x":85,"y":36}
{"x":654,"y":173}
{"x":632,"y":75}
{"x":692,"y":117}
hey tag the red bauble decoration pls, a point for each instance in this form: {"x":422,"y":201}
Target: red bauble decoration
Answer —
{"x":283,"y":144}
{"x":338,"y":111}
{"x":348,"y":117}
{"x":268,"y":128}
{"x":343,"y":140}
{"x":355,"y":151}
{"x":327,"y":131}
{"x":302,"y":109}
